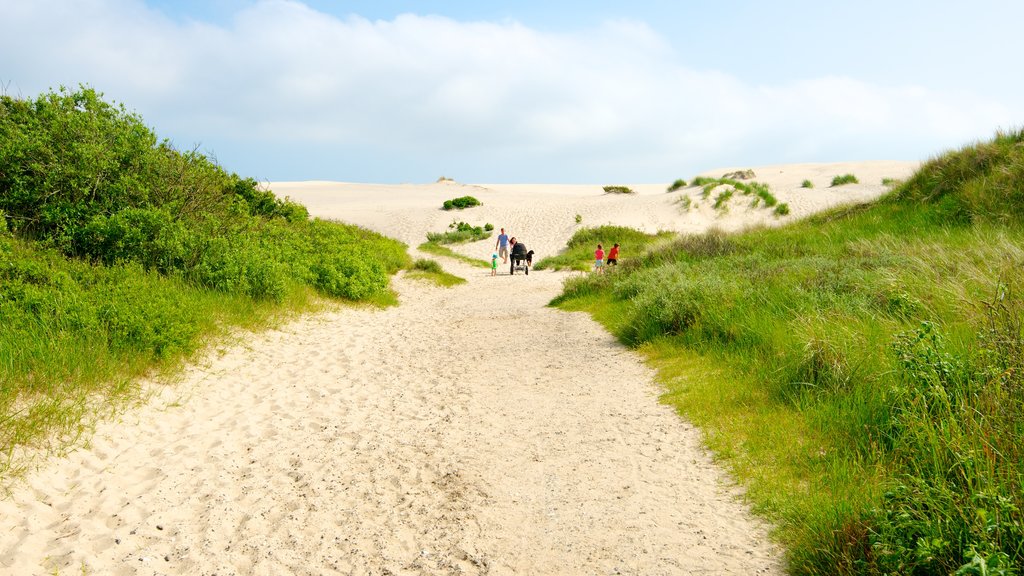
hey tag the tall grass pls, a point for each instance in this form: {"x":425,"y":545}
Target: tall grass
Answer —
{"x":860,"y":370}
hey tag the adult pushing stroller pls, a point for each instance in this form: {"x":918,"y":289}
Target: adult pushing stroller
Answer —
{"x":520,"y":258}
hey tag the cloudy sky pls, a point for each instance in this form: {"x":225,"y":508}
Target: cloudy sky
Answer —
{"x":587,"y":91}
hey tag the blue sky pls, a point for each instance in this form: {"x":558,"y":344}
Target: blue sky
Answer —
{"x":581,"y":91}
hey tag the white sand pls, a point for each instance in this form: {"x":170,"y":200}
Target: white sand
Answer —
{"x":470,"y":430}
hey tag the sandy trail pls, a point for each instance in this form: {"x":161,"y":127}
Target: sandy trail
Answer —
{"x":470,"y":430}
{"x":497,"y":437}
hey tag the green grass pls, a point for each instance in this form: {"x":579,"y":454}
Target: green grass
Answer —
{"x":807,"y":184}
{"x":678,"y":184}
{"x":722,"y":199}
{"x":684,"y":202}
{"x":439,"y":250}
{"x":431,"y":271}
{"x":861,"y":371}
{"x":579,"y":255}
{"x":845,"y":179}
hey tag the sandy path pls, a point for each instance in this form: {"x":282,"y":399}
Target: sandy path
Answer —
{"x":470,"y":430}
{"x":466,"y":431}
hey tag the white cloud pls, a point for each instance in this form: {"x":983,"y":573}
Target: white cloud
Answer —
{"x":283,"y":86}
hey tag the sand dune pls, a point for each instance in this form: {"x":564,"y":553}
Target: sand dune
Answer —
{"x":470,"y":430}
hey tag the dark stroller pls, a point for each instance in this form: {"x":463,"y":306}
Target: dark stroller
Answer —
{"x":520,"y":258}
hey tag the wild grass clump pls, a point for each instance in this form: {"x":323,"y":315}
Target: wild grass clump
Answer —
{"x":460,"y":203}
{"x":119,"y":253}
{"x":460,"y":232}
{"x":618,"y":190}
{"x":678,"y":184}
{"x":807,"y":184}
{"x":722,"y":199}
{"x":431,"y":271}
{"x":761,"y":191}
{"x":684,"y":202}
{"x":782,"y":209}
{"x":844,"y":179}
{"x":861,"y":371}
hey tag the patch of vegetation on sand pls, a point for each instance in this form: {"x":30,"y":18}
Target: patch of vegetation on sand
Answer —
{"x":460,"y":203}
{"x":431,"y":271}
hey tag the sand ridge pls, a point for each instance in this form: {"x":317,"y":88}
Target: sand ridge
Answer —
{"x":470,"y":430}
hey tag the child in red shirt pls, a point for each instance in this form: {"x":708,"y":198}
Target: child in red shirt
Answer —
{"x":613,"y":256}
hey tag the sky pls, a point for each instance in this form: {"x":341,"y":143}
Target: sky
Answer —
{"x":546,"y":91}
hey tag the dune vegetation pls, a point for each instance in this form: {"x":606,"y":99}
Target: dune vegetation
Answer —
{"x":860,"y":371}
{"x":580,"y":252}
{"x":120,"y":255}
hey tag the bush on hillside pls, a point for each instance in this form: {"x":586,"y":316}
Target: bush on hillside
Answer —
{"x":91,"y":180}
{"x":460,"y":203}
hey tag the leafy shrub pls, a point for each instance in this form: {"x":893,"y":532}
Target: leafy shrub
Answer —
{"x":807,"y":184}
{"x":845,"y":179}
{"x":578,"y":218}
{"x":488,"y":227}
{"x":460,"y":203}
{"x":679,"y":183}
{"x":618,"y":190}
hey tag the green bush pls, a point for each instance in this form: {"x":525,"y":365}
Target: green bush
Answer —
{"x":807,"y":184}
{"x":460,"y":203}
{"x":679,"y":183}
{"x":782,"y":209}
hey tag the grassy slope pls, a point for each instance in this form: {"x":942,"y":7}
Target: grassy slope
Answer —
{"x":861,"y":371}
{"x":120,"y":256}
